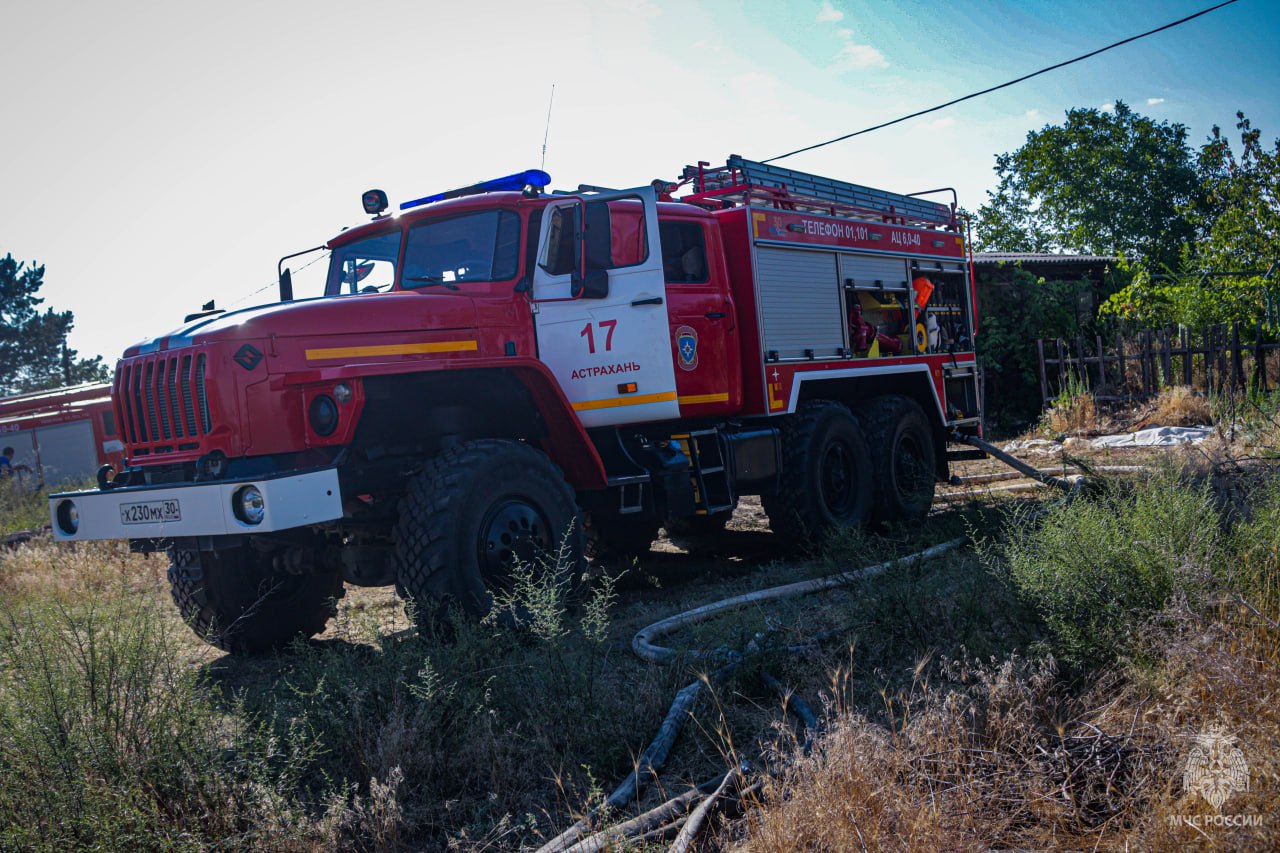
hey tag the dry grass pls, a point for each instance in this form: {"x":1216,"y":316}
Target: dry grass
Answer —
{"x":490,"y":739}
{"x":1181,"y":405}
{"x":1002,"y":757}
{"x":42,"y":569}
{"x":1073,"y":415}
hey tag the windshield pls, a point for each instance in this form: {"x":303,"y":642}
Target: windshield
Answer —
{"x":364,"y":266}
{"x":481,"y":246}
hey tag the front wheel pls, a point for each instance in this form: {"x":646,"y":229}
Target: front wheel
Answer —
{"x":471,"y":515}
{"x":234,"y":599}
{"x":825,"y":483}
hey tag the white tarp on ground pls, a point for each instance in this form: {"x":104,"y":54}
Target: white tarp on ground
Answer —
{"x":1150,"y":437}
{"x":1156,"y":437}
{"x":1033,"y":445}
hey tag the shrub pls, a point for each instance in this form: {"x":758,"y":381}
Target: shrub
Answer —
{"x":108,"y":740}
{"x":1255,"y":570}
{"x":1096,"y":568}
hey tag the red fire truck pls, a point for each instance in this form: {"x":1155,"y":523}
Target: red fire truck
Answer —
{"x":61,"y":436}
{"x":500,"y":370}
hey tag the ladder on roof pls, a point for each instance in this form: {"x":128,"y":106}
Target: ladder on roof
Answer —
{"x":739,"y":177}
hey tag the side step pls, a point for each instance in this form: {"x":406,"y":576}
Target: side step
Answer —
{"x":707,"y":470}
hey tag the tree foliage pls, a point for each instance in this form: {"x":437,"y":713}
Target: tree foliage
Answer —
{"x":33,"y":353}
{"x":1101,"y":183}
{"x":1018,"y":307}
{"x":1240,"y":222}
{"x":1238,"y":230}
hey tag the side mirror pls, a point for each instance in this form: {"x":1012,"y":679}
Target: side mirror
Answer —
{"x":286,"y":285}
{"x":595,"y":285}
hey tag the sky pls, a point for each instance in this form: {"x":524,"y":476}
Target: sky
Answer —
{"x":157,"y":155}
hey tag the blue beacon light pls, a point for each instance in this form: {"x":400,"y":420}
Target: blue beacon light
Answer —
{"x":518,"y":181}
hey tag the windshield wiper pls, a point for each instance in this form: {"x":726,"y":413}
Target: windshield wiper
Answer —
{"x":429,"y":280}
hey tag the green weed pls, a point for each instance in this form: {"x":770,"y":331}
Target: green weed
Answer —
{"x":1095,"y":569}
{"x":108,"y":741}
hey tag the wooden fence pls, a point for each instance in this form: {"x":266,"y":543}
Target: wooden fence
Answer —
{"x":1221,"y":358}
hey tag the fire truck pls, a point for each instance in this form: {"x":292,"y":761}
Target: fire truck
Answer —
{"x":502,"y":371}
{"x":60,"y":436}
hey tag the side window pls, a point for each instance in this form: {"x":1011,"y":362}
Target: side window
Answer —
{"x":684,"y":252}
{"x":559,"y":252}
{"x":369,"y":264}
{"x":627,"y":233}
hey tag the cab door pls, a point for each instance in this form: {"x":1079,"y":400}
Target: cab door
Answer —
{"x":600,"y":307}
{"x":703,"y":340}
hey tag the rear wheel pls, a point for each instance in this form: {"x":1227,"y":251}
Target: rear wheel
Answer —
{"x":472,"y":514}
{"x":904,"y":465}
{"x":235,"y":600}
{"x":825,"y":482}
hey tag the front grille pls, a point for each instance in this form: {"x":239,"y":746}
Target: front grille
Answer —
{"x":161,"y":398}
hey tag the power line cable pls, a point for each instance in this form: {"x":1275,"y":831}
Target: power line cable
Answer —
{"x":273,"y":283}
{"x":1046,"y":70}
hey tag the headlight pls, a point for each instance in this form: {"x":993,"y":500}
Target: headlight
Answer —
{"x":68,"y":517}
{"x":249,"y":505}
{"x":323,"y":415}
{"x":342,"y":393}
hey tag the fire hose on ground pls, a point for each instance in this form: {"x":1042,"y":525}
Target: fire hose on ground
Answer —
{"x":657,"y":823}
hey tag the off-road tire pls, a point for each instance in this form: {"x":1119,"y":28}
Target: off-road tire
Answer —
{"x":464,"y":501}
{"x":234,"y":600}
{"x":691,"y":531}
{"x":904,"y":458}
{"x":825,"y":481}
{"x":620,"y":537}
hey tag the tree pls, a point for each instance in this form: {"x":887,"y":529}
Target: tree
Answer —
{"x":33,"y":351}
{"x":1018,"y":307}
{"x":1238,"y":230}
{"x":1240,"y":220}
{"x":1101,"y":183}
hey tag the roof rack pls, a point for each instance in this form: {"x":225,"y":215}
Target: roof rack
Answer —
{"x":742,"y":181}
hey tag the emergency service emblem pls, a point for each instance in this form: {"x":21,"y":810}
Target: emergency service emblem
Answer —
{"x":687,"y":347}
{"x":1215,"y":767}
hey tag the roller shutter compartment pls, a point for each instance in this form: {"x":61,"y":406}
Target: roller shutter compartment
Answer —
{"x":800,"y":303}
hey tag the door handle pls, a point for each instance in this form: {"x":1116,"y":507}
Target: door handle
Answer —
{"x":714,"y":315}
{"x":652,"y":300}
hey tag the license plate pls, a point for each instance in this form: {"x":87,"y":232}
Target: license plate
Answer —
{"x":150,"y":512}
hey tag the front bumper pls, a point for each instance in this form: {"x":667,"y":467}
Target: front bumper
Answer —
{"x":196,"y":509}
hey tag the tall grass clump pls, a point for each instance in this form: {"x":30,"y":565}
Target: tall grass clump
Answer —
{"x":1182,"y":405}
{"x":21,"y":508}
{"x":1074,"y":409}
{"x":108,"y":740}
{"x":1096,"y":568}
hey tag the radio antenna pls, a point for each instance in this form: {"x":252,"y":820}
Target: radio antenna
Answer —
{"x":547,"y":132}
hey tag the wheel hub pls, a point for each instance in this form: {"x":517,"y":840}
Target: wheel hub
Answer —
{"x":513,"y":530}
